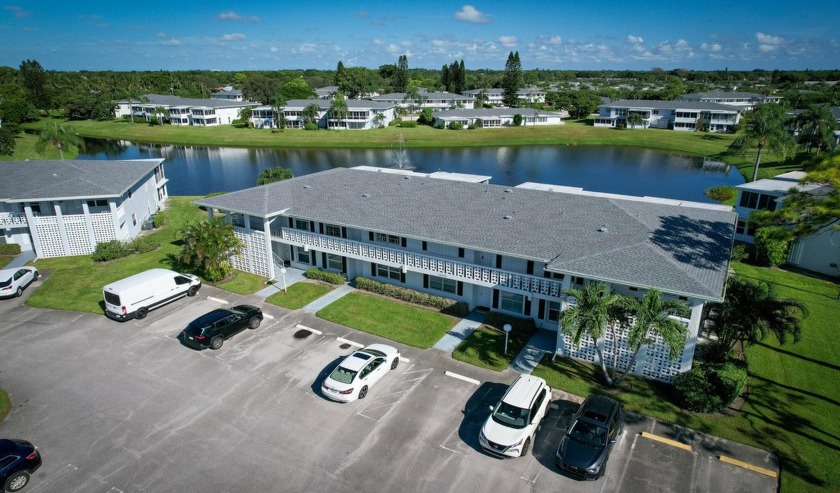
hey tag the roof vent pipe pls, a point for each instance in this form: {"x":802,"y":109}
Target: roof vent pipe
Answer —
{"x":603,"y":229}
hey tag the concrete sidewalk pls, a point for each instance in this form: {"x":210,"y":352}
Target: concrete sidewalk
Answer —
{"x":541,"y":343}
{"x":22,"y":259}
{"x":292,"y":276}
{"x":328,"y":298}
{"x":461,"y":331}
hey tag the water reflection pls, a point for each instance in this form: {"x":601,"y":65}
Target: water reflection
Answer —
{"x":195,"y":170}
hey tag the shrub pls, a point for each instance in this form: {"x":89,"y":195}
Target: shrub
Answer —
{"x":408,"y":124}
{"x":114,"y":249}
{"x":310,"y":126}
{"x":160,"y":218}
{"x":410,"y":295}
{"x":456,"y":126}
{"x":9,"y":249}
{"x":440,"y":125}
{"x":709,"y":388}
{"x":740,"y":253}
{"x":771,"y":244}
{"x":322,"y":275}
{"x":517,"y":119}
{"x":721,"y":193}
{"x":395,"y":122}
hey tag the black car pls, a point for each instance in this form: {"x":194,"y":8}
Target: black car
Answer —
{"x":586,"y":446}
{"x":211,"y":329}
{"x":18,"y":460}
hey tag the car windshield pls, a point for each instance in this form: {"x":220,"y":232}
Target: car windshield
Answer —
{"x":512,"y":416}
{"x":588,"y":433}
{"x":343,"y":375}
{"x":5,"y":283}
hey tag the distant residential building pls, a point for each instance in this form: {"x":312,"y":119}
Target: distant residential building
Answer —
{"x":495,"y":95}
{"x":496,"y":117}
{"x":740,"y":100}
{"x":184,"y":111}
{"x":361,"y":114}
{"x":63,"y":208}
{"x":437,"y":100}
{"x":228,"y":95}
{"x":674,"y":115}
{"x":327,"y":92}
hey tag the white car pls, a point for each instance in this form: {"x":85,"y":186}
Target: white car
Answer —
{"x":13,"y":281}
{"x":510,"y":429}
{"x":354,"y":376}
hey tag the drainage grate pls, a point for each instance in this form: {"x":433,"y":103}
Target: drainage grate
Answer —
{"x":302,"y":334}
{"x":344,"y":346}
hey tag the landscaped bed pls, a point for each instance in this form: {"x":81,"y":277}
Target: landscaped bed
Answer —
{"x":485,"y":347}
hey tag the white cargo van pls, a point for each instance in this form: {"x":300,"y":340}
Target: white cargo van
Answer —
{"x":134,"y":296}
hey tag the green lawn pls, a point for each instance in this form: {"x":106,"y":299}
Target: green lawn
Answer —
{"x":300,"y":294}
{"x":243,"y":283}
{"x":25,"y":149}
{"x":4,"y":261}
{"x":4,"y":405}
{"x":485,"y":347}
{"x":408,"y":324}
{"x":794,"y":390}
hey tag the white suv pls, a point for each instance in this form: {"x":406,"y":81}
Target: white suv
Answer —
{"x":510,"y":429}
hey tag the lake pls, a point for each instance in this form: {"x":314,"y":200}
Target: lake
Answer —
{"x":625,"y":170}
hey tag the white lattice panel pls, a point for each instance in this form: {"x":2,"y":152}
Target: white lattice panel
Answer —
{"x":252,"y":257}
{"x":658,"y":364}
{"x":585,"y":352}
{"x":46,"y":227}
{"x":78,"y":238}
{"x":103,"y":227}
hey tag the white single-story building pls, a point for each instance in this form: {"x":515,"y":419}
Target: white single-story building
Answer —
{"x":496,"y":117}
{"x":64,"y":208}
{"x":516,"y":250}
{"x":675,"y":115}
{"x":361,"y":114}
{"x":184,"y":111}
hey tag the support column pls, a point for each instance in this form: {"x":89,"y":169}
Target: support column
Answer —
{"x":62,"y":229}
{"x":89,"y":225}
{"x":33,"y":231}
{"x":269,"y":251}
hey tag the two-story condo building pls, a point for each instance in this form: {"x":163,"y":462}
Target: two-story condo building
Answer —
{"x":739,"y":100}
{"x":496,"y":117}
{"x":361,"y":114}
{"x":184,"y":111}
{"x":817,"y":252}
{"x":63,"y":208}
{"x":512,"y":249}
{"x":228,"y":94}
{"x":495,"y":95}
{"x":437,"y":100}
{"x":675,"y":115}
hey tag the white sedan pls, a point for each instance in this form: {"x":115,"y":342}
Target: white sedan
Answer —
{"x":13,"y":281}
{"x":354,"y":376}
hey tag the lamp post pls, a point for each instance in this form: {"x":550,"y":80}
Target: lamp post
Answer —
{"x":283,"y":273}
{"x":507,"y":328}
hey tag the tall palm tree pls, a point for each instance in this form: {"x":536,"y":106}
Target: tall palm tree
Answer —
{"x":59,"y":136}
{"x":277,"y":105}
{"x":310,"y":113}
{"x":412,"y":97}
{"x":651,"y":317}
{"x":764,"y":129}
{"x":752,"y":311}
{"x":816,"y":127}
{"x":589,"y":316}
{"x":207,"y":246}
{"x":338,"y":108}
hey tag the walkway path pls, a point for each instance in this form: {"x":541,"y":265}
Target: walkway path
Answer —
{"x":461,"y":331}
{"x":22,"y":259}
{"x":542,"y":342}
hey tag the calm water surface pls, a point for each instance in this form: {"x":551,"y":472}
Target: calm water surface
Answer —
{"x":624,"y":170}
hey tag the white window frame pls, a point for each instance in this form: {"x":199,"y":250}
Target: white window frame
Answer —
{"x":511,"y":302}
{"x":443,"y":284}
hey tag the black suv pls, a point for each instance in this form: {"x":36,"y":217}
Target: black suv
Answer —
{"x":211,"y":329}
{"x":18,"y":460}
{"x":595,"y":428}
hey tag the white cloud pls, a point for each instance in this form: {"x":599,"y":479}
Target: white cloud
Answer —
{"x":508,"y":41}
{"x":711,"y":47}
{"x":232,"y":37}
{"x":633,"y":39}
{"x":377,"y":42}
{"x":18,"y":12}
{"x":233,"y":16}
{"x":470,"y":14}
{"x":305,"y":48}
{"x":768,"y":43}
{"x":273,"y":49}
{"x":162,"y":35}
{"x":171,"y":42}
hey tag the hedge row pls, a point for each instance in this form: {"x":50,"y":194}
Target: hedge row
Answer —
{"x":115,"y":249}
{"x":405,"y":294}
{"x":322,"y":275}
{"x":9,"y":249}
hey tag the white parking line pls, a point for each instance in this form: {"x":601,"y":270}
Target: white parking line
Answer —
{"x":345,"y":341}
{"x":266,"y":315}
{"x":317,"y":332}
{"x":461,"y":377}
{"x":217,"y":300}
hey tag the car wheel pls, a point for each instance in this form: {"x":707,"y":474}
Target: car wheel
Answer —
{"x":216,"y":342}
{"x":36,"y":275}
{"x":395,"y":363}
{"x":192,"y":291}
{"x":141,"y":313}
{"x":525,"y":447}
{"x":19,"y":291}
{"x":254,"y":322}
{"x":17,"y":481}
{"x":363,"y":392}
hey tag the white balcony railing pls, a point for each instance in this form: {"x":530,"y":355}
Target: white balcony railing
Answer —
{"x":427,"y":264}
{"x":13,"y":219}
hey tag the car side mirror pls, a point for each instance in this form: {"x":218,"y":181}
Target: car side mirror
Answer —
{"x":491,"y":408}
{"x":612,"y":441}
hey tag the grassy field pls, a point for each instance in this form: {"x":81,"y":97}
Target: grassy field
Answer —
{"x":408,"y":324}
{"x":243,"y":283}
{"x":794,"y":390}
{"x":25,"y":149}
{"x":580,"y":132}
{"x":485,"y":347}
{"x":300,"y":294}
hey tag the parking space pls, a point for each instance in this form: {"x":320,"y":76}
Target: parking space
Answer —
{"x":126,"y":407}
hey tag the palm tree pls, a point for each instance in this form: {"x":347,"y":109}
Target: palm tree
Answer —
{"x":752,"y":311}
{"x":277,"y":105}
{"x":816,"y":127}
{"x":59,"y":136}
{"x":634,"y":119}
{"x":207,"y":246}
{"x":589,"y":316}
{"x":310,"y":113}
{"x":338,"y":108}
{"x":412,"y":97}
{"x":651,"y":317}
{"x":765,"y":128}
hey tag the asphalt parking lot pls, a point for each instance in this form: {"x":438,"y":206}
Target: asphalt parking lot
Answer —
{"x":125,"y":407}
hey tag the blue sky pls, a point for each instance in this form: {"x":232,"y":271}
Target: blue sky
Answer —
{"x":560,"y":34}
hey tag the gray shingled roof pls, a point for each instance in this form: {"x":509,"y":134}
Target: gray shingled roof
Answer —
{"x":725,"y":94}
{"x":668,"y":105}
{"x":325,"y":104}
{"x":488,"y":112}
{"x":61,"y":180}
{"x":167,"y":100}
{"x":677,"y":249}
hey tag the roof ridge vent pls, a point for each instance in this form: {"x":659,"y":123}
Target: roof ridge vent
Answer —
{"x":603,"y":229}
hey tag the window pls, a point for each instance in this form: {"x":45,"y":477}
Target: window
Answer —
{"x":512,"y":302}
{"x":332,"y":230}
{"x":441,"y":284}
{"x":129,"y":194}
{"x":386,"y":238}
{"x":134,"y":219}
{"x":554,"y":311}
{"x":35,"y":206}
{"x":334,"y":262}
{"x":97,"y":203}
{"x":394,"y":273}
{"x":739,"y":228}
{"x":303,"y":256}
{"x":302,"y":224}
{"x":577,"y":280}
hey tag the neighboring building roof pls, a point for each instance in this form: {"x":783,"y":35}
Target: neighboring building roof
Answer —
{"x":778,"y":185}
{"x":677,"y":249}
{"x":63,"y":180}
{"x":729,"y":95}
{"x":488,"y":112}
{"x":325,"y":104}
{"x":167,"y":100}
{"x":430,"y":96}
{"x":230,"y":92}
{"x":668,"y":105}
